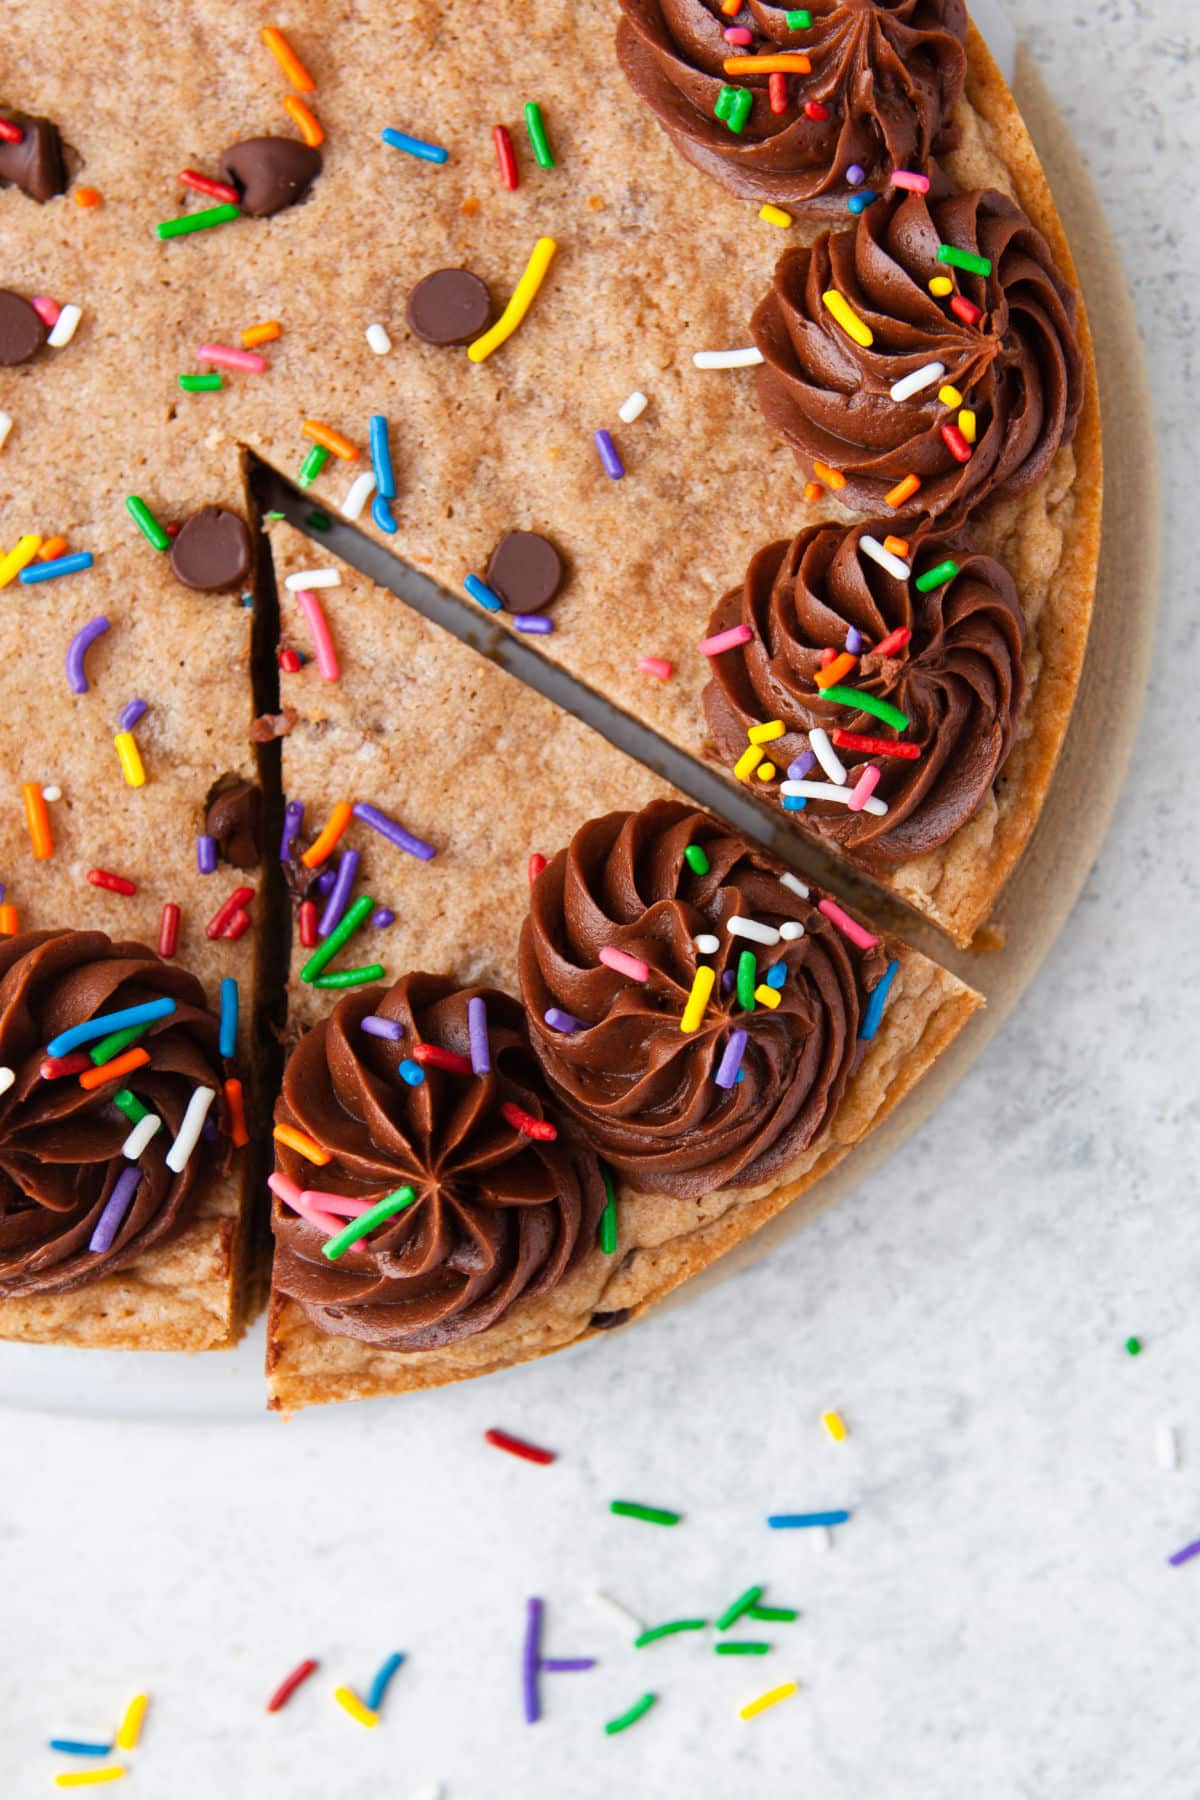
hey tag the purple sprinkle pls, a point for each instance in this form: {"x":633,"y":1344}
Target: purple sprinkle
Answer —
{"x":382,"y":917}
{"x":565,"y":1665}
{"x":731,"y":1062}
{"x":339,"y":898}
{"x":396,"y":834}
{"x":727,"y":981}
{"x":374,"y":1026}
{"x":209,"y":1130}
{"x":538,"y":623}
{"x":558,"y":1020}
{"x":530,"y":1660}
{"x":1185,"y":1555}
{"x":206,"y":854}
{"x":803,"y":763}
{"x":293,"y":819}
{"x":477,"y":1026}
{"x":856,"y":643}
{"x":119,"y":1202}
{"x":855,"y":173}
{"x":324,"y":882}
{"x":131,"y":714}
{"x":3,"y":891}
{"x":78,"y":648}
{"x":609,"y":455}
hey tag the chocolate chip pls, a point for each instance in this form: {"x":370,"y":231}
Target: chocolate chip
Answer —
{"x":451,"y":306}
{"x":526,"y":571}
{"x":234,"y":818}
{"x":270,"y":173}
{"x":607,"y":1321}
{"x":212,"y":550}
{"x":36,"y":164}
{"x":22,"y":333}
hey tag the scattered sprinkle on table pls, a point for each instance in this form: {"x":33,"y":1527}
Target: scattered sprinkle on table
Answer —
{"x":649,"y":1515}
{"x":129,"y":1731}
{"x":806,"y":1521}
{"x":771,"y":1698}
{"x":671,"y":1629}
{"x":91,"y":1777}
{"x":1134,"y":1346}
{"x":741,"y":1605}
{"x":290,"y":1683}
{"x":637,"y":1711}
{"x":76,"y":1747}
{"x":835,"y":1425}
{"x":1185,"y":1555}
{"x":500,"y":1440}
{"x":349,"y":1702}
{"x":382,"y":1680}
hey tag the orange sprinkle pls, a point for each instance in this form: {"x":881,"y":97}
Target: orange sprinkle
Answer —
{"x":266,"y":333}
{"x":833,"y":672}
{"x":8,"y":920}
{"x":307,"y":121}
{"x":38,"y":820}
{"x":469,"y":207}
{"x":833,"y":478}
{"x":898,"y":546}
{"x":904,"y":490}
{"x":793,"y":63}
{"x":87,"y":196}
{"x":330,"y":440}
{"x":287,"y":59}
{"x":237,"y":1112}
{"x":731,"y":8}
{"x":813,"y":490}
{"x":323,"y":846}
{"x":300,"y":1140}
{"x":53,"y":546}
{"x":120,"y":1065}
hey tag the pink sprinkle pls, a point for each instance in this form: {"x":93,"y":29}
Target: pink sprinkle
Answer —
{"x":727,"y":640}
{"x":46,"y":310}
{"x":222,"y":356}
{"x":908,"y":178}
{"x":656,"y":666}
{"x":848,"y":926}
{"x":318,"y":625}
{"x":291,"y":1196}
{"x":624,"y":964}
{"x":737,"y":34}
{"x":868,"y":781}
{"x":317,"y":1200}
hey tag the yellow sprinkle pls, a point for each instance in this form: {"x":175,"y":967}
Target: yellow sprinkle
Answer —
{"x":775,"y":215}
{"x":130,"y":1728}
{"x":767,"y":771}
{"x":91,"y":1777}
{"x":769,"y":1699}
{"x":941,"y":285}
{"x":19,"y":557}
{"x":966,"y":424}
{"x":766,"y":734}
{"x":523,"y":297}
{"x":768,"y":996}
{"x":702,"y":987}
{"x":131,"y":759}
{"x":351,"y":1703}
{"x":835,"y":1425}
{"x":848,"y":319}
{"x":950,"y":396}
{"x":747,"y":762}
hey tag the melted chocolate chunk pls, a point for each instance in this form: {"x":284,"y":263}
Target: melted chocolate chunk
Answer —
{"x":234,"y":818}
{"x":526,"y":571}
{"x":212,"y":550}
{"x":610,"y":1320}
{"x":22,"y":333}
{"x":451,"y":306}
{"x":270,"y":173}
{"x":36,"y":164}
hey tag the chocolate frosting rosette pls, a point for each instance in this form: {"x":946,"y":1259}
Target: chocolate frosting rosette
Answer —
{"x":497,"y":1203}
{"x":689,"y":1081}
{"x":868,"y":86}
{"x":869,"y":372}
{"x":948,"y":658}
{"x":65,"y":1212}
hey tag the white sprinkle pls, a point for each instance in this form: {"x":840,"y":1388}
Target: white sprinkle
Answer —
{"x":140,"y":1136}
{"x":825,"y":790}
{"x":6,"y":1080}
{"x":64,"y":329}
{"x":5,"y":427}
{"x":314,"y":578}
{"x":918,"y":381}
{"x":1166,"y":1443}
{"x":52,"y":794}
{"x":822,"y":1539}
{"x":752,"y":929}
{"x":893,"y":564}
{"x":357,"y":494}
{"x":826,"y":755}
{"x":727,"y":359}
{"x":633,"y":408}
{"x":794,"y":882}
{"x":706,"y":944}
{"x":790,"y":931}
{"x":606,"y":1603}
{"x":189,"y":1130}
{"x":378,"y":339}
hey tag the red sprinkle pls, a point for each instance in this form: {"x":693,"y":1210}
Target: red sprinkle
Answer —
{"x":536,"y":865}
{"x":872,"y":746}
{"x":55,"y":1067}
{"x":238,"y":926}
{"x":168,"y":931}
{"x":828,"y":656}
{"x":287,"y":1687}
{"x":777,"y":92}
{"x":12,"y":134}
{"x":116,"y":884}
{"x":506,"y":157}
{"x":224,"y":914}
{"x":518,"y":1447}
{"x":816,"y":111}
{"x":893,"y":643}
{"x":956,"y":443}
{"x":308,"y":924}
{"x":966,"y":310}
{"x":434,"y":1057}
{"x":289,"y":661}
{"x":204,"y":184}
{"x":525,"y":1122}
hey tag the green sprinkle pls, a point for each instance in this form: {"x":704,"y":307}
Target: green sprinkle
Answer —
{"x":733,"y":1613}
{"x":312,"y":465}
{"x":272,"y":516}
{"x":697,"y":861}
{"x":358,"y":1228}
{"x":197,"y":221}
{"x":733,"y":108}
{"x":130,"y":1105}
{"x":637,"y":1711}
{"x":1134,"y":1346}
{"x":341,"y":934}
{"x":747,"y":976}
{"x":201,"y":384}
{"x":964,"y":259}
{"x":798,"y":20}
{"x":933,"y":578}
{"x":320,"y":521}
{"x":114,"y":1043}
{"x":536,"y":127}
{"x":661,"y":1631}
{"x":864,"y":702}
{"x":743,"y":1648}
{"x":608,"y":1218}
{"x":348,"y":978}
{"x":775,"y":1615}
{"x":652,"y":1515}
{"x":146,"y":522}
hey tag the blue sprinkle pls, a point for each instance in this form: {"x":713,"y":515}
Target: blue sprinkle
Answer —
{"x":75,"y":1747}
{"x":805,"y":1521}
{"x":479,"y":590}
{"x":793,"y":803}
{"x":400,"y":140}
{"x":50,"y":571}
{"x":381,"y":457}
{"x":776,"y":975}
{"x":229,"y":1017}
{"x":876,"y":1003}
{"x":383,"y":1676}
{"x":381,"y":512}
{"x":538,"y":623}
{"x":412,"y":1072}
{"x":858,"y":203}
